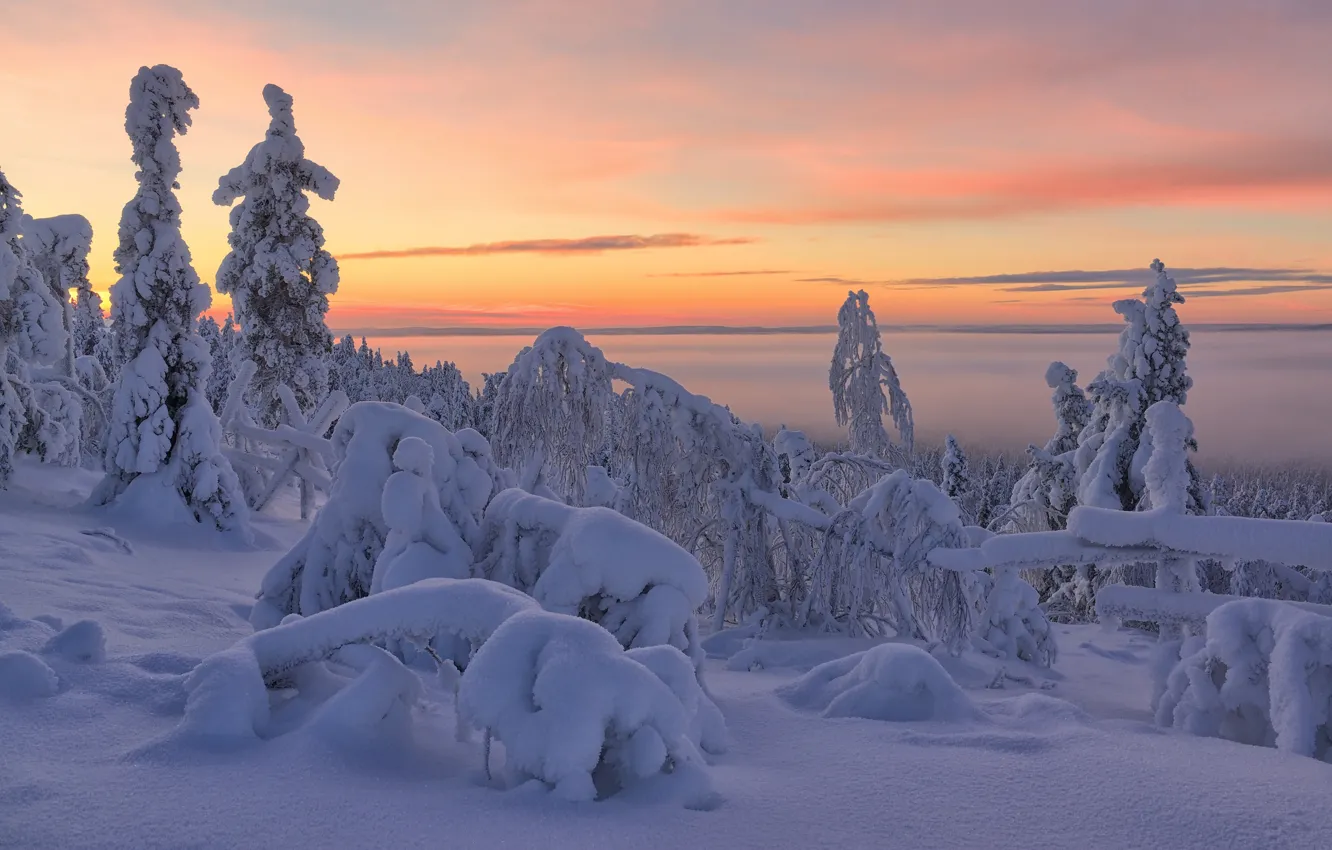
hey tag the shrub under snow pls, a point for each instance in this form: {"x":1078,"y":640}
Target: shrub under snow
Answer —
{"x":573,"y":709}
{"x":1263,"y":676}
{"x":595,"y":563}
{"x":227,"y":695}
{"x":335,"y":562}
{"x":892,"y":681}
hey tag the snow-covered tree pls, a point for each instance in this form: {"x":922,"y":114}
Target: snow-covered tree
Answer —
{"x":278,"y":274}
{"x":161,"y":423}
{"x":40,"y":417}
{"x":1148,"y":367}
{"x":861,"y":372}
{"x":59,"y":249}
{"x":1042,"y":498}
{"x":222,"y":341}
{"x":873,"y":570}
{"x":550,"y":411}
{"x":957,"y":484}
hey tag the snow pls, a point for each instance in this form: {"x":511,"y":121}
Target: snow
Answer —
{"x":81,"y":641}
{"x":88,"y":766}
{"x":1292,"y":542}
{"x":893,"y":682}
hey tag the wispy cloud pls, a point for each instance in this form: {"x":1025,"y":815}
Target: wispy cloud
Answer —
{"x":738,"y":273}
{"x":841,"y":281}
{"x":585,"y":245}
{"x":1083,"y":279}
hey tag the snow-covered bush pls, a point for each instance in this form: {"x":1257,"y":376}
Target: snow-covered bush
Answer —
{"x":892,"y":681}
{"x":1263,"y":676}
{"x":597,"y":564}
{"x":550,"y":411}
{"x":278,"y":274}
{"x":1013,"y":624}
{"x":227,"y":692}
{"x":161,"y":423}
{"x":861,"y":372}
{"x":572,"y":708}
{"x":335,"y":561}
{"x":873,"y":570}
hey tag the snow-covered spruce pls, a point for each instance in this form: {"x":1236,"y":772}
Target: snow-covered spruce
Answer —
{"x":335,"y":561}
{"x":597,"y":564}
{"x":892,"y":681}
{"x":873,"y":569}
{"x":163,"y":431}
{"x":573,"y":709}
{"x":1263,"y":676}
{"x":1149,"y":367}
{"x":861,"y":372}
{"x":957,"y":484}
{"x":550,"y":411}
{"x":1013,"y":625}
{"x":1043,"y":496}
{"x":59,"y":249}
{"x":227,"y":692}
{"x":278,"y":274}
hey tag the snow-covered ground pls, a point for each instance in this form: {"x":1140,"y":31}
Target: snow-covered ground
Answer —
{"x":1051,"y":759}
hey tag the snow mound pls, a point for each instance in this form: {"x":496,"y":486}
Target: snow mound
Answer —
{"x":81,"y":641}
{"x":893,"y":681}
{"x":25,"y":676}
{"x":1263,"y":676}
{"x":573,"y":709}
{"x":595,"y":563}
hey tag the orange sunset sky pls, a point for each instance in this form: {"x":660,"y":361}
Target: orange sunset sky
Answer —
{"x":631,"y":162}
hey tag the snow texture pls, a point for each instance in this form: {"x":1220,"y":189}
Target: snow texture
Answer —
{"x":571,"y":706}
{"x":278,"y":274}
{"x":892,"y":681}
{"x":25,"y":676}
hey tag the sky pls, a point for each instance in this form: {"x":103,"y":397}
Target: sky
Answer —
{"x":633,"y":162}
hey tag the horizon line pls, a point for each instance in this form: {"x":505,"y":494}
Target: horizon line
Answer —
{"x":760,"y":330}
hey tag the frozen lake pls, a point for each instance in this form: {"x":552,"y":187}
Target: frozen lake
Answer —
{"x":1259,"y":396}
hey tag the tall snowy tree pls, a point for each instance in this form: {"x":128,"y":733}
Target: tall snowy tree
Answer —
{"x":278,"y":274}
{"x":1148,"y":368}
{"x":861,"y":373}
{"x":161,"y":424}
